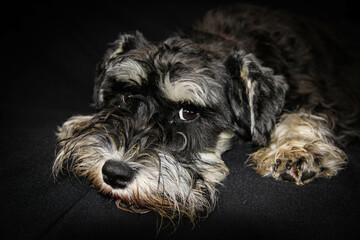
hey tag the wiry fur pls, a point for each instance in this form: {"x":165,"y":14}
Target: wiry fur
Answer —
{"x":162,"y":183}
{"x":168,"y":110}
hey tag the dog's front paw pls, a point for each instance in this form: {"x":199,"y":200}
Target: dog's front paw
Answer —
{"x":297,"y":161}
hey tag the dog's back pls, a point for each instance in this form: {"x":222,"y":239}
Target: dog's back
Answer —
{"x":320,"y":73}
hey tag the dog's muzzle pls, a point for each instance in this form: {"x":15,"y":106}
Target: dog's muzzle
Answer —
{"x":135,"y":160}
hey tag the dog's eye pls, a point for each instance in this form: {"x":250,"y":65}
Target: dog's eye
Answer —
{"x":127,"y":98}
{"x":187,"y":115}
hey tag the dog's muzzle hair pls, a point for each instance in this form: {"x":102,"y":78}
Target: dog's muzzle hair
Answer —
{"x":129,"y":162}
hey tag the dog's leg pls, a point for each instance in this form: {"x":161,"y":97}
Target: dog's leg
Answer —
{"x":301,"y":149}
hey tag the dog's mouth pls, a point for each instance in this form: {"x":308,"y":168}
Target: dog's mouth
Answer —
{"x":155,"y":183}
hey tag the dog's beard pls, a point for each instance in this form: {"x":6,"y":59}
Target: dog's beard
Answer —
{"x":162,"y":182}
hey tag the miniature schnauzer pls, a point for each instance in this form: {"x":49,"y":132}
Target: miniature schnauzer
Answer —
{"x":166,"y":111}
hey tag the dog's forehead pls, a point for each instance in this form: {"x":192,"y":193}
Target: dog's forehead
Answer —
{"x":180,"y":71}
{"x":197,"y":86}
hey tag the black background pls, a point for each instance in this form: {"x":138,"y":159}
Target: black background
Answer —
{"x":49,"y":52}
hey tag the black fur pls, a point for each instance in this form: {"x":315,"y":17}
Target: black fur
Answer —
{"x":185,"y":100}
{"x":280,"y":56}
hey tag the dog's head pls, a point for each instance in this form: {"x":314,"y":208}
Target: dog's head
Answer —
{"x":167,"y":111}
{"x":221,"y":86}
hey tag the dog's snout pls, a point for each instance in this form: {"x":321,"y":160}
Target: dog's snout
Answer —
{"x":117,"y":174}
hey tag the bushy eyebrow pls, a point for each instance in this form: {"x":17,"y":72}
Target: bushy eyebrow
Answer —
{"x":186,"y":89}
{"x":128,"y":70}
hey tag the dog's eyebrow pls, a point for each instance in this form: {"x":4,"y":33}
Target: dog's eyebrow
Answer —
{"x":186,"y":90}
{"x":128,"y":70}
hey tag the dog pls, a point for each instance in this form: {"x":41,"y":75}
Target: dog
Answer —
{"x":166,"y":111}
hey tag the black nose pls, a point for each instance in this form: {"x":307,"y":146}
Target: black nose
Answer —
{"x":117,"y":174}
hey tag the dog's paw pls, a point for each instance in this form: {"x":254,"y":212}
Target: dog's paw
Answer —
{"x":299,"y":170}
{"x":297,"y":161}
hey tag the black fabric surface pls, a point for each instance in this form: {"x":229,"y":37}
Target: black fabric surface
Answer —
{"x":51,"y":49}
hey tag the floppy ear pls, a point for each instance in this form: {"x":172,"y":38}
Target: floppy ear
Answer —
{"x":124,"y":43}
{"x":257,"y":97}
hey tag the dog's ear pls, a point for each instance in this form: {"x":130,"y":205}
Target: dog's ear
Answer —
{"x":257,"y":96}
{"x":124,"y":43}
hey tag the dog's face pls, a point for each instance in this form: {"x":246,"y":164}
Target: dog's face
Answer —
{"x":167,"y":112}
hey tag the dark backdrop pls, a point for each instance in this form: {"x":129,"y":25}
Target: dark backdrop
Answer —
{"x":49,"y":52}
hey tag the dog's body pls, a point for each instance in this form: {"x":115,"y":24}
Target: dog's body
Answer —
{"x":168,"y":110}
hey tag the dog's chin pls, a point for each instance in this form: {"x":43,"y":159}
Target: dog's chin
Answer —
{"x":163,"y":190}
